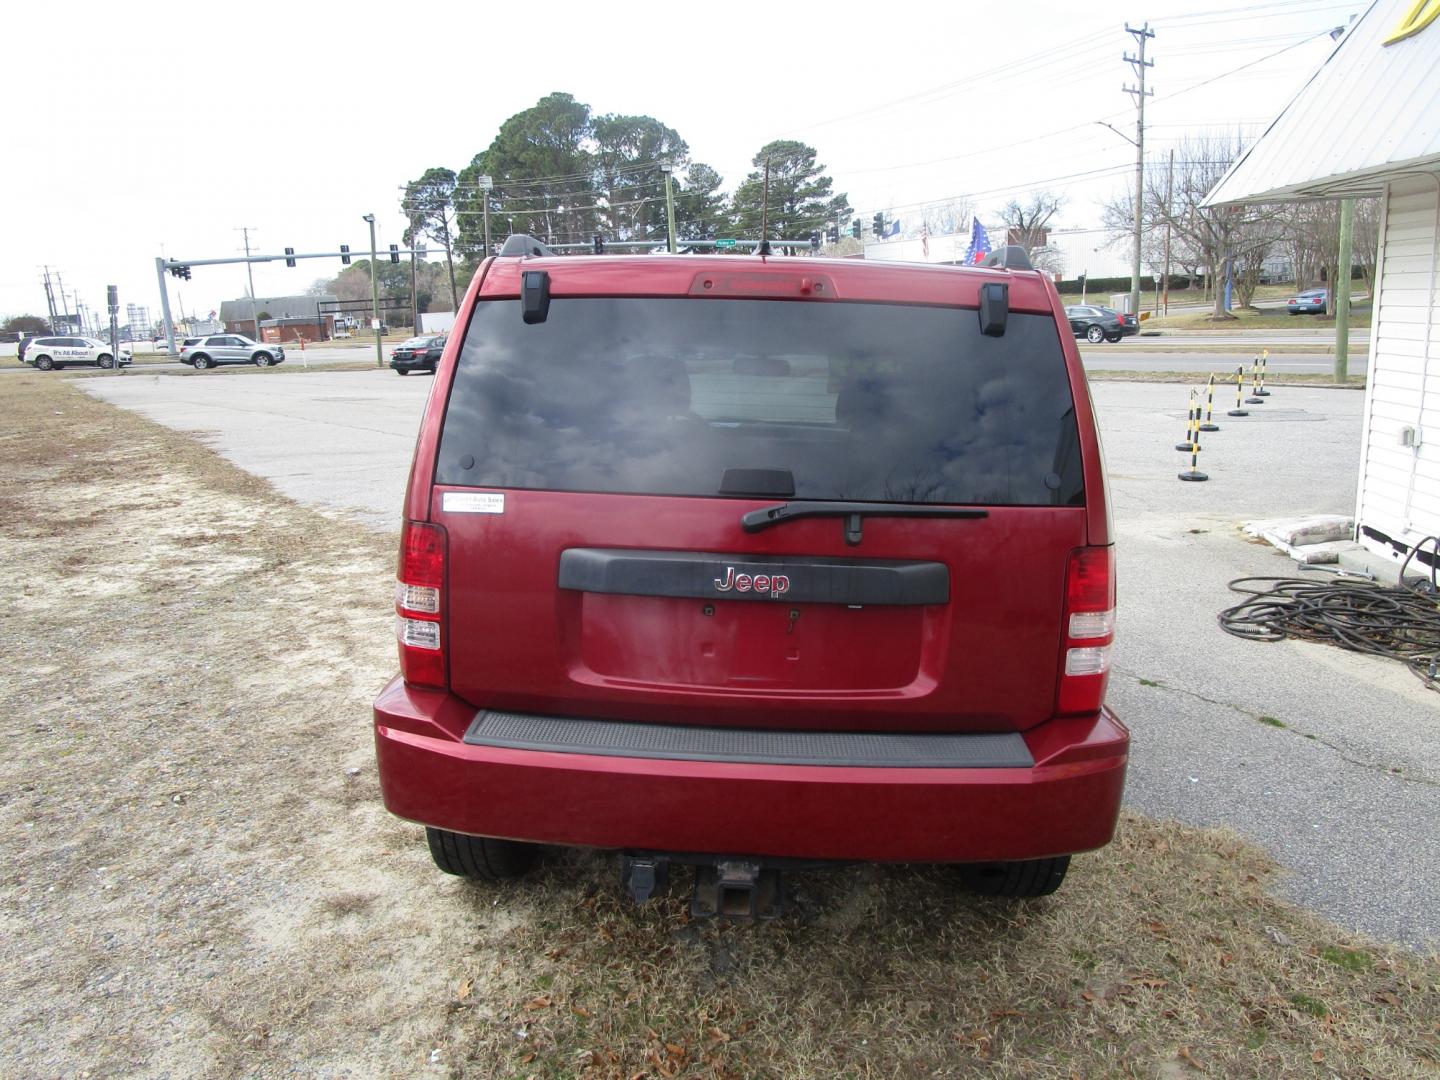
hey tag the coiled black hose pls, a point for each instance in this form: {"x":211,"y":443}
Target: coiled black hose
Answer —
{"x":1399,"y":622}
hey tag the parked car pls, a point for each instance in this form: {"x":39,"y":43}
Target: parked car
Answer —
{"x":1097,"y":324}
{"x":418,"y":354}
{"x":1309,"y":302}
{"x":780,"y":560}
{"x":55,"y":353}
{"x":216,"y":349}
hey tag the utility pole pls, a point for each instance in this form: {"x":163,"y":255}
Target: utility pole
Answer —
{"x":487,"y":184}
{"x":64,"y":304}
{"x":415,"y":294}
{"x":1169,"y":195}
{"x":50,"y":300}
{"x":1342,"y":291}
{"x":764,"y":248}
{"x":668,"y":169}
{"x":375,"y":293}
{"x":249,"y":274}
{"x":1139,"y":63}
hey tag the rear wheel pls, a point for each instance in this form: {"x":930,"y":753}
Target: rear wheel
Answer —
{"x":1095,"y":335}
{"x":1113,"y":338}
{"x":200,"y":363}
{"x":1032,"y":877}
{"x":402,"y":371}
{"x":263,"y":359}
{"x":480,"y":857}
{"x":44,"y":363}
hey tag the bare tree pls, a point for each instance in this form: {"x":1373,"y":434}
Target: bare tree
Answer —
{"x":1027,"y":224}
{"x":1243,"y":236}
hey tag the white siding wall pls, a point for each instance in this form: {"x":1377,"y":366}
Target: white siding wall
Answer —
{"x":1400,"y":487}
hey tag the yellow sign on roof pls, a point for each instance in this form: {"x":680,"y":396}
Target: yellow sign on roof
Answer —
{"x":1416,"y":19}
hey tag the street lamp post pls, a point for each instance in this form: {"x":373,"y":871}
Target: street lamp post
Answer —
{"x":668,"y":169}
{"x":375,"y":293}
{"x":487,"y":184}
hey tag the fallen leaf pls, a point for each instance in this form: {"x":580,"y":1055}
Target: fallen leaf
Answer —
{"x":1318,"y":1056}
{"x":1143,"y":980}
{"x":1088,"y":995}
{"x":1157,"y":928}
{"x":1190,"y":1059}
{"x":1387,"y":997}
{"x":716,"y":1035}
{"x":1000,"y":1014}
{"x":537,"y":1003}
{"x":580,"y":1010}
{"x":465,"y":988}
{"x":676,"y":1050}
{"x":528,"y":1058}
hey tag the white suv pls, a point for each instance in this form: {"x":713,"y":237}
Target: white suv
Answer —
{"x":54,"y":353}
{"x":230,"y":349}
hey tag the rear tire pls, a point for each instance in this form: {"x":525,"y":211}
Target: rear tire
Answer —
{"x":1113,"y":338}
{"x":482,"y":858}
{"x":402,"y":371}
{"x":44,"y":363}
{"x":1031,"y":877}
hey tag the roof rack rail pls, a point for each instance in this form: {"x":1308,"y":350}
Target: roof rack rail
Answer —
{"x":522,"y":246}
{"x":1009,"y":257}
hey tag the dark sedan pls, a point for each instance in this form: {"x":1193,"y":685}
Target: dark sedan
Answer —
{"x":1097,"y":324}
{"x":418,"y":354}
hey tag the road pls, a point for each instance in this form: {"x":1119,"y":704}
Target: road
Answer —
{"x":1346,"y":794}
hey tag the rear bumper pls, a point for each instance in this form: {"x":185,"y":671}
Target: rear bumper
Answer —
{"x":1066,"y":802}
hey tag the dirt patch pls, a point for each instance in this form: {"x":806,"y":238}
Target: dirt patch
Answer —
{"x":199,"y":880}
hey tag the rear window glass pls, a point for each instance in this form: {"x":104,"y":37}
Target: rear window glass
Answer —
{"x":869,"y":402}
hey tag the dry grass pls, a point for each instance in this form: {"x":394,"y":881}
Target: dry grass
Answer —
{"x":198,"y":878}
{"x":1287,"y":378}
{"x":1258,"y":319}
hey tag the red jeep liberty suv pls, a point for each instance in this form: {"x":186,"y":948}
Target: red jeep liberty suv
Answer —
{"x":752,"y":562}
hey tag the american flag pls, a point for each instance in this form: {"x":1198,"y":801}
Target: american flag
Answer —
{"x":979,"y":244}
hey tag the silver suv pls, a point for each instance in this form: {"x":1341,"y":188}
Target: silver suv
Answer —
{"x":229,"y":349}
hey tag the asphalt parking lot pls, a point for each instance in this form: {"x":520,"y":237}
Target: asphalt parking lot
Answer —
{"x":1346,"y":794}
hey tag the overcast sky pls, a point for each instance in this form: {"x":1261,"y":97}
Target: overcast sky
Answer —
{"x":147,"y":129}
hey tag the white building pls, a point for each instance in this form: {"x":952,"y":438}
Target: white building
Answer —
{"x":1368,"y":123}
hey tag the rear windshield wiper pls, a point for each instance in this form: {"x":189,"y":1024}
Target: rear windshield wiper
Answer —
{"x":854,"y":514}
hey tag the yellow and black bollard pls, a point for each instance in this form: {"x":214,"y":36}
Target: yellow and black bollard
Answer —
{"x":1194,"y":473}
{"x":1239,"y":393}
{"x":1264,"y":363}
{"x":1209,"y":424}
{"x":1254,"y":398}
{"x":1192,"y":421}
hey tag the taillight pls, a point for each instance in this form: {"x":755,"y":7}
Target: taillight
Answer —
{"x":419,"y":592}
{"x":1089,"y":629}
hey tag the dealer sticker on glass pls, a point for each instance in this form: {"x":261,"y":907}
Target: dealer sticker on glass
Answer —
{"x":473,"y":502}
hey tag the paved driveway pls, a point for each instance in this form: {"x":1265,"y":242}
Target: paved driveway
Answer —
{"x":1346,"y":794}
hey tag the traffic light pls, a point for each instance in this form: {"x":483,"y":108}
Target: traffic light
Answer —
{"x":345,"y":254}
{"x":181,"y":272}
{"x":599,"y":244}
{"x":394,"y":253}
{"x":814,"y":241}
{"x":877,"y":225}
{"x":289,"y":256}
{"x":834,"y":235}
{"x":855,"y":228}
